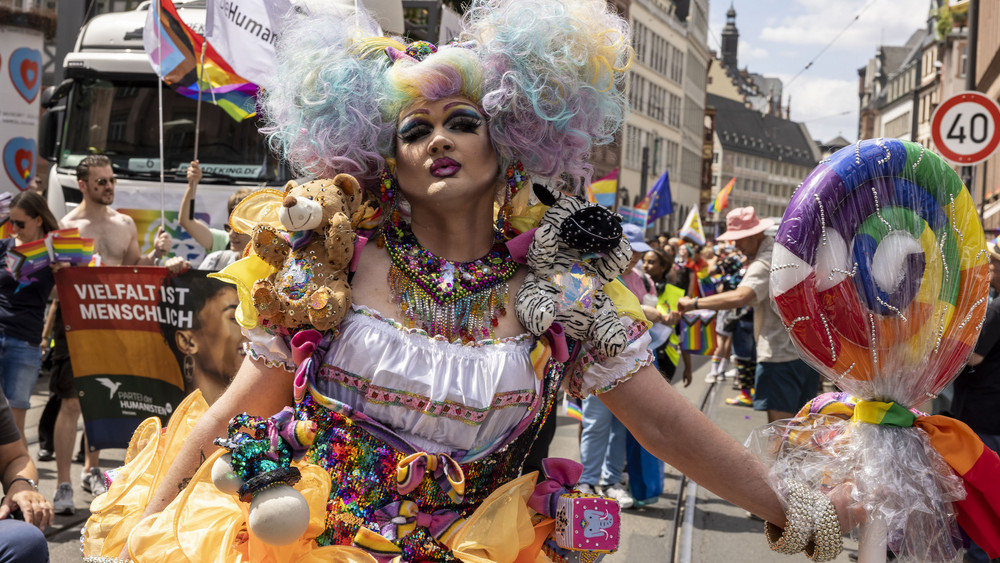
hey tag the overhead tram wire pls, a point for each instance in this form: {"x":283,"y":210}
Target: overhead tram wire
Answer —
{"x":832,"y":41}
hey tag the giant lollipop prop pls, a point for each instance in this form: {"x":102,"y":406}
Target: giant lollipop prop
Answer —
{"x":880,"y":275}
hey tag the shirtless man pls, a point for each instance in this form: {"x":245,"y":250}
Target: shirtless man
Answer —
{"x":116,"y":241}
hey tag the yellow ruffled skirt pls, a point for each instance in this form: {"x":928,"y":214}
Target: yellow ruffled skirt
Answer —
{"x":204,"y":524}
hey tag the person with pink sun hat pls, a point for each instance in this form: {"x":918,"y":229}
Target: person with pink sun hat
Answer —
{"x":783,"y":382}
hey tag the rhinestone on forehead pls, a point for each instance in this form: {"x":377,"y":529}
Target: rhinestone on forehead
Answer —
{"x":420,"y":49}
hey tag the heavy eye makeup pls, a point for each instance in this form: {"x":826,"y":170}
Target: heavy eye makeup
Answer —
{"x":462,"y":120}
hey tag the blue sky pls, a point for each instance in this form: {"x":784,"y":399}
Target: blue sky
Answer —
{"x":779,"y":38}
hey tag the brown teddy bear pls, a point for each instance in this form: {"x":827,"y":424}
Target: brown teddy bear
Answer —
{"x":310,"y":288}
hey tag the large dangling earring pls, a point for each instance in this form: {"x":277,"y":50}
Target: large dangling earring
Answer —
{"x":516,"y":179}
{"x":188,"y":368}
{"x":388,"y":194}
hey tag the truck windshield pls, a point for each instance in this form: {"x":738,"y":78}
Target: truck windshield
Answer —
{"x":120,"y":119}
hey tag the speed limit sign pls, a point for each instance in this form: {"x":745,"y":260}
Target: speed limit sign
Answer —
{"x":964,"y":128}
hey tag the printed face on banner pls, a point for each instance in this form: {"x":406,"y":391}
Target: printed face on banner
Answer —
{"x":19,"y":161}
{"x":218,"y":339}
{"x":24,"y":68}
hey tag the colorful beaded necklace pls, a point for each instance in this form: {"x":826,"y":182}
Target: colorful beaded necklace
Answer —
{"x":456,"y":300}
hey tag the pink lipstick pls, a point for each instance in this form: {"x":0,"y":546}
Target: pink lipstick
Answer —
{"x":444,"y":168}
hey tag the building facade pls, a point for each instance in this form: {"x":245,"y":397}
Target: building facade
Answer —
{"x":666,"y":90}
{"x":766,"y":154}
{"x":753,"y":141}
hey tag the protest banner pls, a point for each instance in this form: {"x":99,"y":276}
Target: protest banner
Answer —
{"x":140,"y":340}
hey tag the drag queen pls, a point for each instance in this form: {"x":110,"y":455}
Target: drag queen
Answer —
{"x":422,"y":426}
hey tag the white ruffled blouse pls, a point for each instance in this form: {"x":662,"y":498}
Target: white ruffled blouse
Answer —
{"x":443,"y":396}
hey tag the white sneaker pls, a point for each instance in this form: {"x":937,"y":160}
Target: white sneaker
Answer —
{"x":710,"y":378}
{"x":732,"y":373}
{"x":620,"y":494}
{"x":63,"y":501}
{"x":586,"y":489}
{"x":93,"y":482}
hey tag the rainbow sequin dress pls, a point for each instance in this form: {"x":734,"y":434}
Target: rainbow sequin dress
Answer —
{"x":418,"y":452}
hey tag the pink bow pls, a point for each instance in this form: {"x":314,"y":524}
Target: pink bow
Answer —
{"x":518,"y":246}
{"x":298,"y":434}
{"x":561,"y":475}
{"x":398,"y":519}
{"x":557,"y":339}
{"x":446,"y":471}
{"x":304,"y":345}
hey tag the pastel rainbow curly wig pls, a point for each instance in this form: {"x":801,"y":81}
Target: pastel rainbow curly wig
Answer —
{"x":548,"y":74}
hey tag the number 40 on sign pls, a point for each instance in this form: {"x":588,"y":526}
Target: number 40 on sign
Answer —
{"x":964,"y":128}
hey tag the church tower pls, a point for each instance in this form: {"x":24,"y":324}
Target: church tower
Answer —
{"x":730,"y":39}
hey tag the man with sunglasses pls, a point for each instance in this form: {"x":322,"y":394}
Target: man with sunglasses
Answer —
{"x":116,"y":241}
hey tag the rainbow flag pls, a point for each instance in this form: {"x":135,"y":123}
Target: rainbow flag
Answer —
{"x":64,"y":245}
{"x":722,"y":198}
{"x":698,"y":332}
{"x":572,"y":409}
{"x":73,"y":250}
{"x":605,"y":190}
{"x":174,"y":50}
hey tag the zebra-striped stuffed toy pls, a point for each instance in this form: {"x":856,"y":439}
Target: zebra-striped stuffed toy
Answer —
{"x":577,"y":249}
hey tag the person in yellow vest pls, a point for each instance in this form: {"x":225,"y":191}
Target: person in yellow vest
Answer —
{"x":659,"y":265}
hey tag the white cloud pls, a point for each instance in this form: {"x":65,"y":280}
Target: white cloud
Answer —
{"x":828,"y":106}
{"x":817,"y":22}
{"x":748,"y":53}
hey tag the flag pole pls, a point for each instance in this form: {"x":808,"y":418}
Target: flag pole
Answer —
{"x":197,"y":113}
{"x":159,"y":97}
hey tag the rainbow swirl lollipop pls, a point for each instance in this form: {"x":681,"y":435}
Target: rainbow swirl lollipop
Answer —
{"x":880,"y":271}
{"x":880,"y":275}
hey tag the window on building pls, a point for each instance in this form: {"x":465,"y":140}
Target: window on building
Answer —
{"x":670,"y":158}
{"x":674,"y":111}
{"x":636,"y":94}
{"x":676,"y":74}
{"x":633,"y":147}
{"x":638,"y":40}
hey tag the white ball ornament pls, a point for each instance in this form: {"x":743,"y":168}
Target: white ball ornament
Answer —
{"x":279,"y":515}
{"x":223,"y":476}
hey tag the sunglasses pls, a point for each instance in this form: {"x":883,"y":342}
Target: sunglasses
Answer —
{"x":18,"y":224}
{"x":105,"y":181}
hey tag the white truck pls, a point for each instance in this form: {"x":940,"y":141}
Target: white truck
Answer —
{"x":108,"y":105}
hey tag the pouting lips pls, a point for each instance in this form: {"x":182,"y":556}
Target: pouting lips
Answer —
{"x":444,"y":168}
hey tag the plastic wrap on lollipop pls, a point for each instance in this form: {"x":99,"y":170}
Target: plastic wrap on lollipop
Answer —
{"x":880,"y":276}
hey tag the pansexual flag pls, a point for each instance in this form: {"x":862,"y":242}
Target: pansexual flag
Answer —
{"x":174,"y":50}
{"x":603,"y":191}
{"x":722,"y":198}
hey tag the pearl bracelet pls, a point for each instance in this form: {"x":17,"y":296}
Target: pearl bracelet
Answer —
{"x":799,"y":522}
{"x":812,"y":525}
{"x":827,"y":541}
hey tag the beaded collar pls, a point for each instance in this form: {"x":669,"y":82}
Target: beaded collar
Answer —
{"x":457,"y":300}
